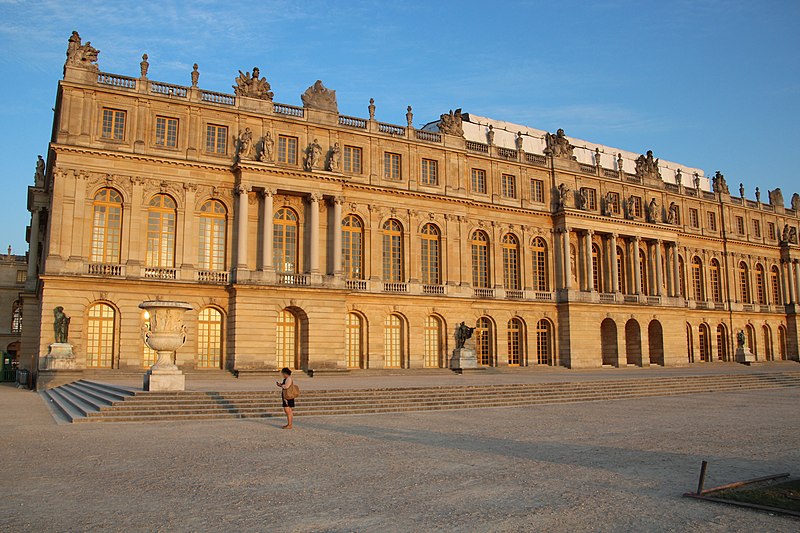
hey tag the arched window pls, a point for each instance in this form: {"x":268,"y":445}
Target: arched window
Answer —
{"x":716,"y":285}
{"x":643,"y":270}
{"x":209,"y":338}
{"x":352,"y":247}
{"x":106,"y":226}
{"x":353,"y":341}
{"x":286,"y":340}
{"x":782,"y":342}
{"x":433,"y":341}
{"x":480,"y":259}
{"x":597,"y":268}
{"x":149,"y":355}
{"x":100,"y":336}
{"x":392,"y":251}
{"x":744,"y":283}
{"x":484,"y":341}
{"x":213,"y":230}
{"x":510,"y":246}
{"x":284,"y":240}
{"x":161,"y":215}
{"x":682,"y":277}
{"x":623,"y":286}
{"x":394,"y":347}
{"x":690,"y":342}
{"x":544,"y":343}
{"x":775,"y":285}
{"x":16,"y":318}
{"x":541,"y":278}
{"x":697,"y":279}
{"x":769,"y":355}
{"x":751,"y":339}
{"x":761,"y":289}
{"x":705,"y":344}
{"x":515,"y":345}
{"x":430,"y":255}
{"x":722,"y":343}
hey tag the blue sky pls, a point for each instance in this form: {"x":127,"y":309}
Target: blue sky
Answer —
{"x":706,"y":83}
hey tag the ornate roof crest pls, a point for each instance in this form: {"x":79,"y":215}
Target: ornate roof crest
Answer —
{"x":252,"y":86}
{"x":320,"y":97}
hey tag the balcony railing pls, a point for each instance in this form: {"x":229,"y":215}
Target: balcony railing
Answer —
{"x":654,"y":300}
{"x":608,"y":297}
{"x":433,"y":289}
{"x":610,"y":173}
{"x":430,"y":136}
{"x":212,"y":276}
{"x":168,"y":89}
{"x":719,"y":306}
{"x":116,"y":80}
{"x":356,"y":284}
{"x":106,"y":269}
{"x":543,"y":296}
{"x":631,"y":299}
{"x":748,"y":307}
{"x":515,"y":294}
{"x":395,"y":287}
{"x":391,"y":129}
{"x":289,"y":110}
{"x":480,"y":292}
{"x":536,"y":159}
{"x":507,"y":153}
{"x":160,"y":273}
{"x":294,"y":279}
{"x":352,"y":122}
{"x":477,"y":147}
{"x":589,"y":169}
{"x":217,"y":98}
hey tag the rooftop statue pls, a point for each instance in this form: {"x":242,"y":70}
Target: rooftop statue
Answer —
{"x":558,"y":145}
{"x":320,"y":97}
{"x":796,"y":202}
{"x":450,"y":123}
{"x":252,"y":86}
{"x":38,"y":178}
{"x":776,"y":198}
{"x":719,"y":183}
{"x":81,"y":55}
{"x":647,"y":166}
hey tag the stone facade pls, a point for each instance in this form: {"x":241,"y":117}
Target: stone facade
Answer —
{"x":13,"y":272}
{"x":236,"y":204}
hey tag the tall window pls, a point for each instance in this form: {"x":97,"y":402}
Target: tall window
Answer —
{"x":539,"y":261}
{"x":161,"y":232}
{"x":16,"y":318}
{"x":716,"y":285}
{"x":769,"y":355}
{"x":100,"y":336}
{"x":740,"y":225}
{"x":705,"y":343}
{"x":537,"y":191}
{"x":432,"y":339}
{"x":757,"y":229}
{"x":771,"y":231}
{"x":775,"y":284}
{"x":113,"y":124}
{"x":484,"y":341}
{"x":751,"y":339}
{"x":352,"y":159}
{"x":353,"y":341}
{"x":510,"y":246}
{"x":681,"y":277}
{"x":287,"y":149}
{"x":106,"y":226}
{"x":149,"y":355}
{"x":480,"y":259}
{"x":591,"y":198}
{"x":430,"y":172}
{"x":544,"y":343}
{"x":216,"y":139}
{"x":392,"y":251}
{"x":213,"y":223}
{"x":209,"y":338}
{"x":508,"y":184}
{"x":393,"y":341}
{"x":712,"y":221}
{"x":284,"y":240}
{"x":744,"y":282}
{"x":643,"y":270}
{"x":167,"y":132}
{"x":597,"y":268}
{"x":614,"y":203}
{"x":722,"y":343}
{"x":286,"y":340}
{"x":761,"y":292}
{"x":623,"y":286}
{"x":352,"y":247}
{"x":514,"y":342}
{"x":697,"y":279}
{"x":782,"y":342}
{"x":431,"y":254}
{"x":694,"y":218}
{"x":478,"y":181}
{"x":391,"y":166}
{"x":636,"y":207}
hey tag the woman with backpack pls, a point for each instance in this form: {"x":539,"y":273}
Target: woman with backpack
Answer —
{"x":289,"y":391}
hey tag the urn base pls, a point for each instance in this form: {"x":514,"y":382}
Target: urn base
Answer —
{"x":164,"y":380}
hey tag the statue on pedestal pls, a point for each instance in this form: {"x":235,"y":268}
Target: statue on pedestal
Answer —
{"x":60,"y":325}
{"x":267,"y":148}
{"x":81,"y":55}
{"x":334,"y":160}
{"x":557,"y":145}
{"x":463,"y":332}
{"x":563,"y":196}
{"x":252,"y":86}
{"x":313,"y":155}
{"x":320,"y":97}
{"x":246,"y":144}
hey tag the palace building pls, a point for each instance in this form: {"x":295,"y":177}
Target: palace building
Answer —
{"x":320,"y":241}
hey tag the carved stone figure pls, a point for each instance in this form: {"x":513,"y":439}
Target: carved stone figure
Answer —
{"x":252,"y":86}
{"x":619,"y":162}
{"x":597,"y":157}
{"x":267,"y":148}
{"x":740,"y":339}
{"x":558,"y":145}
{"x":608,"y":204}
{"x":672,"y":213}
{"x":61,"y":325}
{"x":490,"y":135}
{"x":719,"y":183}
{"x":518,"y":141}
{"x":371,"y":109}
{"x":246,"y":144}
{"x":335,"y":158}
{"x":652,"y":211}
{"x":81,"y":55}
{"x":741,"y":191}
{"x":793,"y":235}
{"x":696,"y":181}
{"x":144,"y":66}
{"x":796,"y":202}
{"x":776,"y":197}
{"x":758,"y":195}
{"x":313,"y":155}
{"x":629,"y":207}
{"x":320,"y":97}
{"x":38,"y":177}
{"x":583,"y":199}
{"x":563,"y":196}
{"x":647,"y":166}
{"x":463,"y":332}
{"x":195,"y":75}
{"x":450,"y":123}
{"x":409,"y":117}
{"x":785,"y":234}
{"x":678,"y":177}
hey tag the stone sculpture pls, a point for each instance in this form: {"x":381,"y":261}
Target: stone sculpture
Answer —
{"x":647,"y":166}
{"x":518,"y":141}
{"x":741,"y":191}
{"x":81,"y":55}
{"x":792,"y":235}
{"x":758,"y":195}
{"x":672,"y":213}
{"x":796,"y":202}
{"x":678,"y":177}
{"x":719,"y":183}
{"x":563,"y":196}
{"x":463,"y":332}
{"x":335,"y":158}
{"x":583,"y":199}
{"x":371,"y":109}
{"x":38,"y":177}
{"x":608,"y":204}
{"x":195,"y":75}
{"x":60,"y":325}
{"x":776,"y":198}
{"x":313,"y":155}
{"x":144,"y":66}
{"x":629,"y":207}
{"x":490,"y":135}
{"x":252,"y":86}
{"x":165,"y":334}
{"x":320,"y":97}
{"x":450,"y":123}
{"x":619,"y":162}
{"x":558,"y":145}
{"x":409,"y":117}
{"x":696,"y":181}
{"x":267,"y":148}
{"x":597,"y":157}
{"x":740,"y":338}
{"x":652,"y":211}
{"x":246,"y":144}
{"x":785,"y":234}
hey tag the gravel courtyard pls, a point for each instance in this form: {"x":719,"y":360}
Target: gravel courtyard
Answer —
{"x":605,"y":466}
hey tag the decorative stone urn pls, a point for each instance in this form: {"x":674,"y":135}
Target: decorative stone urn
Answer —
{"x":165,"y":335}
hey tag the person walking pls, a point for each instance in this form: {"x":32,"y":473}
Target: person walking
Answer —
{"x":288,"y":393}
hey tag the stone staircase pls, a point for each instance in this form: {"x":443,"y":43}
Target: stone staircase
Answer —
{"x":89,"y":401}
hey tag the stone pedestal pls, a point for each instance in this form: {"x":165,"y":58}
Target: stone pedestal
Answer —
{"x":464,"y":359}
{"x":59,"y":357}
{"x":745,"y":356}
{"x":164,"y":380}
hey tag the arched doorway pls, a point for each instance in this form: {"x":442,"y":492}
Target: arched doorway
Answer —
{"x":608,"y":342}
{"x":782,"y":342}
{"x":705,"y":343}
{"x":633,"y":343}
{"x":689,"y":343}
{"x":722,"y":343}
{"x":544,"y":343}
{"x":354,"y":341}
{"x":751,"y":339}
{"x":286,"y":340}
{"x":768,"y":350}
{"x":484,"y":342}
{"x":655,"y":336}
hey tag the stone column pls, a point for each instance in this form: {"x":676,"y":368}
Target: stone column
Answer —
{"x":796,"y":268}
{"x":637,"y":270}
{"x":33,"y":254}
{"x":314,"y":199}
{"x":266,"y":230}
{"x":566,"y":259}
{"x":676,"y":271}
{"x":589,"y":270}
{"x":659,"y":271}
{"x":613,"y":258}
{"x":790,"y":282}
{"x":241,"y":227}
{"x":337,"y":236}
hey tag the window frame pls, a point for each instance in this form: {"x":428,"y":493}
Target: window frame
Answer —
{"x":216,"y":144}
{"x":288,"y":149}
{"x":116,"y":132}
{"x":392,"y":166}
{"x":429,"y":172}
{"x":165,"y":135}
{"x":352,"y":159}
